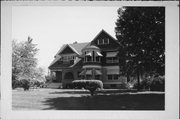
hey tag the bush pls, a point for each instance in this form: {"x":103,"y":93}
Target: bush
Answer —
{"x":125,"y":85}
{"x":144,"y":84}
{"x":25,"y":83}
{"x":16,"y":84}
{"x":153,"y":83}
{"x":37,"y":83}
{"x":91,"y":85}
{"x":158,"y":84}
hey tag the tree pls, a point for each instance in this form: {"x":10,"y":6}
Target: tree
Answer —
{"x":141,"y":32}
{"x":23,"y":59}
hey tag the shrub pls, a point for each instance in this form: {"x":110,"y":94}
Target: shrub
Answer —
{"x":154,"y":83}
{"x":144,"y":84}
{"x":50,"y":78}
{"x":37,"y":83}
{"x":25,"y":83}
{"x":91,"y":85}
{"x":16,"y":84}
{"x":125,"y":85}
{"x":158,"y":83}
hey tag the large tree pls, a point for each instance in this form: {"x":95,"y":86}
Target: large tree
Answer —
{"x":23,"y":59}
{"x":141,"y":31}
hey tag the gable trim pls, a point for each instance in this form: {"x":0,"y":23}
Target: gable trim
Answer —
{"x":67,"y":45}
{"x":107,"y":34}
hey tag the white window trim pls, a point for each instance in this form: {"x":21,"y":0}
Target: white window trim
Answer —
{"x":103,"y":41}
{"x":68,"y":58}
{"x":85,"y":57}
{"x":107,"y":41}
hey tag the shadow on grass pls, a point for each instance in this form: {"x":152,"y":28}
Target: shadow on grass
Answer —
{"x":108,"y":102}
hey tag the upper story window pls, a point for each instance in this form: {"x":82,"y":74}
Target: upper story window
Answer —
{"x":103,"y":41}
{"x":92,"y":56}
{"x":112,"y":77}
{"x":112,"y":60}
{"x":106,"y":41}
{"x":111,"y":57}
{"x":67,"y":58}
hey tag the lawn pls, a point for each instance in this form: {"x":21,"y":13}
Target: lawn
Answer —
{"x":66,"y":99}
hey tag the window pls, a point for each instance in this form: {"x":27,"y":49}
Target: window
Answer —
{"x":100,"y":41}
{"x":97,"y":59}
{"x":88,"y":59}
{"x":110,"y":77}
{"x":97,"y":77}
{"x":103,"y":41}
{"x":93,"y":56}
{"x":112,"y":60}
{"x":106,"y":41}
{"x":113,"y":85}
{"x":116,"y":77}
{"x":113,"y":77}
{"x":67,"y":59}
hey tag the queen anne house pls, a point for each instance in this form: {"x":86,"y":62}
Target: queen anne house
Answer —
{"x":97,"y":59}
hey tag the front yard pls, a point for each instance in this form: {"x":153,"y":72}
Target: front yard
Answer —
{"x":67,"y":99}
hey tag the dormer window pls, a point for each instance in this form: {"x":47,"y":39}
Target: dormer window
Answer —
{"x":67,"y":58}
{"x":106,"y":41}
{"x":103,"y":41}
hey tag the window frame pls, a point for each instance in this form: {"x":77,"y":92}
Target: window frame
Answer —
{"x":102,"y":41}
{"x":113,"y":77}
{"x":111,"y":60}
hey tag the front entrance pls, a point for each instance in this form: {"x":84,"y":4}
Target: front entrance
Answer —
{"x":68,"y":78}
{"x":58,"y":76}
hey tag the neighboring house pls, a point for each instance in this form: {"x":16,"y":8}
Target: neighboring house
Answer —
{"x":97,"y":59}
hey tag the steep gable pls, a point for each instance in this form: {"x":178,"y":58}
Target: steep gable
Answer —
{"x":78,"y":46}
{"x":111,"y":44}
{"x":67,"y":50}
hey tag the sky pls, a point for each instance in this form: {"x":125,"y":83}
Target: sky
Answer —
{"x":51,"y":27}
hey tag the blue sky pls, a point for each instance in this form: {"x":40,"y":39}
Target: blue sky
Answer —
{"x":51,"y":27}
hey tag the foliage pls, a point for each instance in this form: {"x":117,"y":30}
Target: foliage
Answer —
{"x":124,"y":85}
{"x":24,"y":64}
{"x":16,"y":84}
{"x":91,"y":85}
{"x":50,"y":78}
{"x":23,"y":58}
{"x":153,"y":83}
{"x":25,"y":83}
{"x":141,"y":32}
{"x":158,"y":84}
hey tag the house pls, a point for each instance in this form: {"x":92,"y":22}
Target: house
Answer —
{"x":97,"y":59}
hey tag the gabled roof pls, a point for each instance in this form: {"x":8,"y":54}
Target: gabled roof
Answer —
{"x":89,"y":45}
{"x":103,"y":31}
{"x":77,"y":47}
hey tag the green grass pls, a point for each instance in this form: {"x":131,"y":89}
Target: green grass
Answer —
{"x":60,"y":99}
